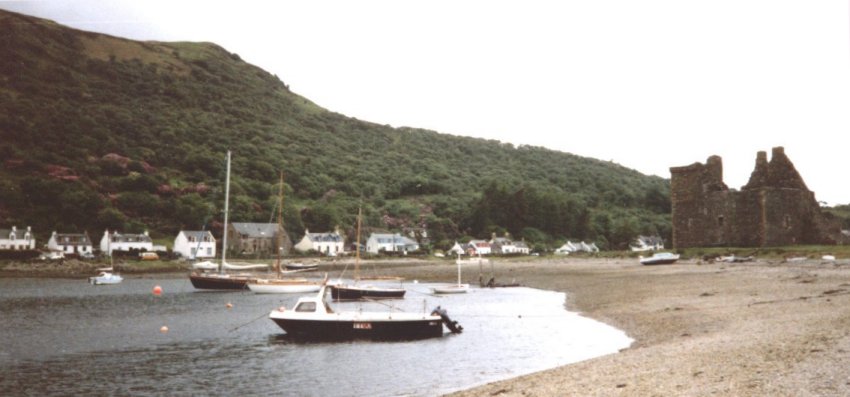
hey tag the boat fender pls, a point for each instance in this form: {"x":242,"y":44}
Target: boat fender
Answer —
{"x":281,"y":309}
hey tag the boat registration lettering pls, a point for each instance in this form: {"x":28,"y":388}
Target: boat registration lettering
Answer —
{"x":362,"y":325}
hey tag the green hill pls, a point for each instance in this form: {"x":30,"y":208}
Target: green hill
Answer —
{"x":101,"y":132}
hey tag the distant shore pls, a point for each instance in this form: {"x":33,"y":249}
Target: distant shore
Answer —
{"x":745,"y":329}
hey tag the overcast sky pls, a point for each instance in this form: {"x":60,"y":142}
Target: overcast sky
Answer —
{"x":645,"y":83}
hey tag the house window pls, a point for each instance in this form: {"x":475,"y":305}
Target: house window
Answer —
{"x":209,"y":251}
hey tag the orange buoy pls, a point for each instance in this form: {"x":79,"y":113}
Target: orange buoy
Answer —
{"x":163,"y":329}
{"x":229,"y":305}
{"x":157,"y":290}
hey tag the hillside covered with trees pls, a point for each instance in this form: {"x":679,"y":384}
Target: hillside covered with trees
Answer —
{"x":101,"y":132}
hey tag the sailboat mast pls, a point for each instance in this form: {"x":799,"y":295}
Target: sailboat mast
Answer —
{"x":226,"y":209}
{"x":357,"y":248}
{"x":279,"y":222}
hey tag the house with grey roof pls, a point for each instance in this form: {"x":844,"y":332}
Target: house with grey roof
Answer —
{"x":71,"y":243}
{"x":14,"y":239}
{"x":330,"y":244}
{"x":195,"y":244}
{"x":258,"y":239}
{"x":117,"y":241}
{"x":379,"y":242}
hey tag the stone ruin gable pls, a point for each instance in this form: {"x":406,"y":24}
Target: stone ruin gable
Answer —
{"x":775,"y":207}
{"x":698,"y":197}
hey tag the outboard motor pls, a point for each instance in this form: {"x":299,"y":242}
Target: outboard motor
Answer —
{"x":451,"y":325}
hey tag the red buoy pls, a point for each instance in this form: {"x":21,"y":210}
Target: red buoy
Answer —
{"x":157,"y":290}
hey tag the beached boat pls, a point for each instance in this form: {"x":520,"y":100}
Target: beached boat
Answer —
{"x":106,"y":277}
{"x":312,"y":318}
{"x":359,"y":290}
{"x":458,"y":288}
{"x":660,"y":258}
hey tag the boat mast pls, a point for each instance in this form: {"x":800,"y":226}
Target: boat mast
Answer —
{"x":279,"y":223}
{"x":357,"y":248}
{"x":226,"y":202}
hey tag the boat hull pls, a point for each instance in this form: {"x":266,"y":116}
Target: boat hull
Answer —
{"x":451,"y":289}
{"x":658,"y":262}
{"x":281,"y":288}
{"x":353,"y":329}
{"x":217,"y":282}
{"x":344,"y":292}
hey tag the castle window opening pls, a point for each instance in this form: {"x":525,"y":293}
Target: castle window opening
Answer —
{"x":720,"y":220}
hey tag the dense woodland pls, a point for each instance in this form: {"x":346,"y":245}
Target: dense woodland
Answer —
{"x":100,"y":132}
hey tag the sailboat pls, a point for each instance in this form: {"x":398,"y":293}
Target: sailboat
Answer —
{"x":458,"y":288}
{"x":207,"y":280}
{"x":357,"y":290}
{"x":282,"y":285}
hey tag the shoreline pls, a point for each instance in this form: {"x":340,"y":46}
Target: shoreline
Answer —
{"x":745,"y":329}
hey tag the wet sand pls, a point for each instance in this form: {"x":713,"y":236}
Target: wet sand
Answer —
{"x":745,"y":329}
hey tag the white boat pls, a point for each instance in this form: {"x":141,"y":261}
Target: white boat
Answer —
{"x":283,"y":286}
{"x":312,"y":318}
{"x":106,"y":278}
{"x":660,"y":258}
{"x":458,"y":288}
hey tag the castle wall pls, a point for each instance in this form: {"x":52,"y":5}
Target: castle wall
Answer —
{"x":775,"y":208}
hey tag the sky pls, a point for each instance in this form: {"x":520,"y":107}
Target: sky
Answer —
{"x":646,"y":84}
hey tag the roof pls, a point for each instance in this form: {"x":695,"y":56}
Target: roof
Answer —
{"x":255,"y":230}
{"x":324,"y":237}
{"x":73,"y":239}
{"x":130,"y":238}
{"x":198,"y":235}
{"x":391,"y":239}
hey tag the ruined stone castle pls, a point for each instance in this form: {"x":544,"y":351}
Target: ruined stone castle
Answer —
{"x":775,"y":208}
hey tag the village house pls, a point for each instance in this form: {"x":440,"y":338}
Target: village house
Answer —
{"x":457,"y":249}
{"x":379,"y":242}
{"x":195,"y":244}
{"x":570,"y":247}
{"x":15,"y":240}
{"x":647,"y":243}
{"x":330,"y":244}
{"x":506,"y":246}
{"x":259,"y":239}
{"x":478,"y":247}
{"x":125,"y":242}
{"x":71,"y":243}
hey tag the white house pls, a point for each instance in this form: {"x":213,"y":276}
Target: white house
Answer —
{"x":195,"y":244}
{"x":647,"y":243}
{"x":478,"y":247}
{"x":15,"y":240}
{"x":570,"y":247}
{"x":70,"y":243}
{"x":378,"y":242}
{"x":125,"y":242}
{"x":456,"y":249}
{"x":522,"y":248}
{"x":330,"y":244}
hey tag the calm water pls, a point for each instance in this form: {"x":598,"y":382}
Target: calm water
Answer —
{"x":66,"y":337}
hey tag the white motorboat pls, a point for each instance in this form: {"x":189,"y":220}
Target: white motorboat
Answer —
{"x":660,"y":258}
{"x":313,"y":318}
{"x":105,"y":278}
